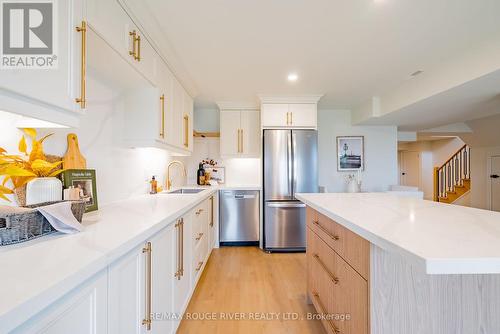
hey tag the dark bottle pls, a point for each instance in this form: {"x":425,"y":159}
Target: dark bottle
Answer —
{"x":201,"y":176}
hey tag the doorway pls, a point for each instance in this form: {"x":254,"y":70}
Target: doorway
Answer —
{"x":409,"y":168}
{"x":495,"y":183}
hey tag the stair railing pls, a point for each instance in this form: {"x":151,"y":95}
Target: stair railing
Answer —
{"x":452,"y":173}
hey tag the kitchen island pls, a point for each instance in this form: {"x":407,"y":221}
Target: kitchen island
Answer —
{"x":402,"y":265}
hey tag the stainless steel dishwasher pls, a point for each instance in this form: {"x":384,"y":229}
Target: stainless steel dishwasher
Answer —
{"x":239,"y":217}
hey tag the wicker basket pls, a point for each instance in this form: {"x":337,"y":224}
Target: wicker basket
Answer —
{"x":16,"y":227}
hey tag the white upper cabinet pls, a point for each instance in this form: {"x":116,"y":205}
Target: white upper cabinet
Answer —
{"x":109,"y":20}
{"x":50,"y":93}
{"x":303,"y":115}
{"x":230,"y":121}
{"x":289,"y":111}
{"x":250,"y":133}
{"x":276,"y":114}
{"x":239,"y":133}
{"x":159,"y":116}
{"x":289,"y":115}
{"x":187,"y":122}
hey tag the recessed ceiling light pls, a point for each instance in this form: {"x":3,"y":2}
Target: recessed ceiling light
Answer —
{"x":292,"y":77}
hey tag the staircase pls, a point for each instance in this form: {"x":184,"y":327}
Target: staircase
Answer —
{"x":452,"y":179}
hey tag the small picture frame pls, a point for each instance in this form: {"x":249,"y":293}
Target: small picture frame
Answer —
{"x":350,"y":153}
{"x":83,"y":180}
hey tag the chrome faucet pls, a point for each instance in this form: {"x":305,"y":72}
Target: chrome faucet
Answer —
{"x":174,"y":162}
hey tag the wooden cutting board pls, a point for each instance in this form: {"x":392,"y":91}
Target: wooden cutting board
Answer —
{"x":73,"y":159}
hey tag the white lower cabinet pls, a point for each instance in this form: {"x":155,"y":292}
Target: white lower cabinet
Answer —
{"x":83,"y":311}
{"x":145,"y":291}
{"x":180,"y":275}
{"x":212,"y":222}
{"x":126,"y":306}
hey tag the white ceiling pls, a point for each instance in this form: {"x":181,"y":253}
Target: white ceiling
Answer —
{"x":475,"y":99}
{"x":348,"y":50}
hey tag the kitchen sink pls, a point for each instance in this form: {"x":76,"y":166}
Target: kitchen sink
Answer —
{"x":186,"y":191}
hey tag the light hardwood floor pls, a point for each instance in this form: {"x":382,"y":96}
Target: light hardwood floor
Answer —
{"x":247,"y":280}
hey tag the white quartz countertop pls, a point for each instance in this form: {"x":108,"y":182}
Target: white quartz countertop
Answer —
{"x":38,"y":272}
{"x":440,"y":238}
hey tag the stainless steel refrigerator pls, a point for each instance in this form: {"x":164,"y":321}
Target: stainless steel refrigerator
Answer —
{"x":290,"y":167}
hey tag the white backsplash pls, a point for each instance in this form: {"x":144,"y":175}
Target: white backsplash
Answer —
{"x":239,"y":171}
{"x":122,"y":172}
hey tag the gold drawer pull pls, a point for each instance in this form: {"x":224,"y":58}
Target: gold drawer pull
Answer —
{"x":320,"y":304}
{"x":147,"y":320}
{"x":333,"y":236}
{"x":200,"y":264}
{"x":334,"y":278}
{"x":199,"y":236}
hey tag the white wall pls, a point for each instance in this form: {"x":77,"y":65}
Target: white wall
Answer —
{"x":207,"y":120}
{"x":245,"y":172}
{"x":381,"y":169}
{"x":121,"y":172}
{"x":432,"y":154}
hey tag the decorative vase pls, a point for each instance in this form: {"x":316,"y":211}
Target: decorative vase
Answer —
{"x":43,"y":189}
{"x":353,"y":187}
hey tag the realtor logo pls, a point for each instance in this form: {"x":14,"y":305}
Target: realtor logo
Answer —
{"x":28,"y":34}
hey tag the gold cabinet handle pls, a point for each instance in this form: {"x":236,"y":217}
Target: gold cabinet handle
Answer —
{"x":242,"y":142}
{"x":199,"y":236}
{"x":138,"y":58}
{"x":198,"y":212}
{"x":162,"y":129}
{"x":334,"y":278}
{"x":182,"y":246}
{"x":287,"y":121}
{"x":323,"y":311}
{"x":200,"y":264}
{"x":333,"y":236}
{"x":186,"y":130}
{"x":291,"y":118}
{"x":211,"y":211}
{"x":133,"y":53}
{"x":238,"y":140}
{"x":82,"y":100}
{"x":148,"y":282}
{"x":178,"y":264}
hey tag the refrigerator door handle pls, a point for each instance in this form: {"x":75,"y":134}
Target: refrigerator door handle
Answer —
{"x":289,"y":164}
{"x":294,"y":173}
{"x":286,"y":205}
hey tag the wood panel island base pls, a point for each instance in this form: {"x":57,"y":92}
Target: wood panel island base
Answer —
{"x":375,"y":278}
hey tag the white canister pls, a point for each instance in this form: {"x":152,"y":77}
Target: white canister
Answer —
{"x":43,"y":189}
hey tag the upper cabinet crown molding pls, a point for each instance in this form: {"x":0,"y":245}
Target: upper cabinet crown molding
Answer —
{"x":290,"y":99}
{"x":229,"y":105}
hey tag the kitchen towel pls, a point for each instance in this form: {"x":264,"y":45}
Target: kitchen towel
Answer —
{"x":61,"y":218}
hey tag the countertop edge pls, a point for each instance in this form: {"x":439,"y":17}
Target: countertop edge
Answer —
{"x":414,"y":259}
{"x":430,"y":266}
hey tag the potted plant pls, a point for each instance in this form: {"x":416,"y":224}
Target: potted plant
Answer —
{"x":31,"y":169}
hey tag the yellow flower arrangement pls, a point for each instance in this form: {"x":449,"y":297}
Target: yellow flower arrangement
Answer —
{"x":20,"y":169}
